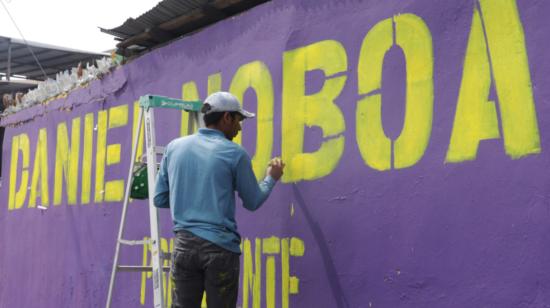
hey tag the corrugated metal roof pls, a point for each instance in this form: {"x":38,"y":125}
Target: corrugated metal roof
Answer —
{"x":52,"y":58}
{"x":16,"y":85}
{"x":170,"y":19}
{"x":17,"y":60}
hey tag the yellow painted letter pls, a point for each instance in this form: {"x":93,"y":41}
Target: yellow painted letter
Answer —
{"x":414,"y":38}
{"x":66,"y":162}
{"x":118,"y":117}
{"x":476,"y":119}
{"x":189,"y":92}
{"x":317,"y":109}
{"x":374,"y":145}
{"x":17,"y":196}
{"x":271,"y":247}
{"x":100,"y":156}
{"x":256,"y":75}
{"x":252,"y":274}
{"x":87,"y":158}
{"x":40,"y":171}
{"x":214,"y":83}
{"x":289,"y":284}
{"x":139,"y":151}
{"x":109,"y":155}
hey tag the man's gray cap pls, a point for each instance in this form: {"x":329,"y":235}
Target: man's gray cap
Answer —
{"x":225,"y":101}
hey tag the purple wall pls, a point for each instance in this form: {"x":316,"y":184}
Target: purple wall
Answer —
{"x":423,"y":183}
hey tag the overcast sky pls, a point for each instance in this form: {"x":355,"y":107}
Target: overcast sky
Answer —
{"x":70,"y":23}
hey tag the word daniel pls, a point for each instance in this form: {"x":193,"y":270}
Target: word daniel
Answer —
{"x":496,"y":51}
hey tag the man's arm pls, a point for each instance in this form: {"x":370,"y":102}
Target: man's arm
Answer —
{"x":252,"y":193}
{"x":162,"y":189}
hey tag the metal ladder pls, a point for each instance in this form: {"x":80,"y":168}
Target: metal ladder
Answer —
{"x":147,"y":104}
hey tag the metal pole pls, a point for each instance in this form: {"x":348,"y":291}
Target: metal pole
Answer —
{"x":9,"y":60}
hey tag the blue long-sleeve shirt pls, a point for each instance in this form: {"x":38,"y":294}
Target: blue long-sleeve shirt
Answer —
{"x":197,"y":180}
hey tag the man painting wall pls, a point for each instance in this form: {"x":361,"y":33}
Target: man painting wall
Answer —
{"x":197,"y":179}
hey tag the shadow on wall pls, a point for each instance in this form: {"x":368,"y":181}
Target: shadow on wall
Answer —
{"x":330,"y":269}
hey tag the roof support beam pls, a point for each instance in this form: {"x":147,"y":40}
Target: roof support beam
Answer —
{"x":54,"y":63}
{"x":139,"y":39}
{"x":37,"y":73}
{"x":214,"y":12}
{"x":195,"y":17}
{"x":160,"y":35}
{"x":25,"y":54}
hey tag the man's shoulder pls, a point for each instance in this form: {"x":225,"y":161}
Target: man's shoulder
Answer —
{"x":180,"y":142}
{"x":238,"y":152}
{"x":235,"y":147}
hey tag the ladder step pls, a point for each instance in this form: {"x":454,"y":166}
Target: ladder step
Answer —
{"x":159,"y":149}
{"x":134,"y":242}
{"x":143,"y":160}
{"x":137,"y":268}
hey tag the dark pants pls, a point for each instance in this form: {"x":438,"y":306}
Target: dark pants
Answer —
{"x":199,"y":265}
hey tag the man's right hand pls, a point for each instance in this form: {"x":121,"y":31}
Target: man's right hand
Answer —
{"x":275,"y":168}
